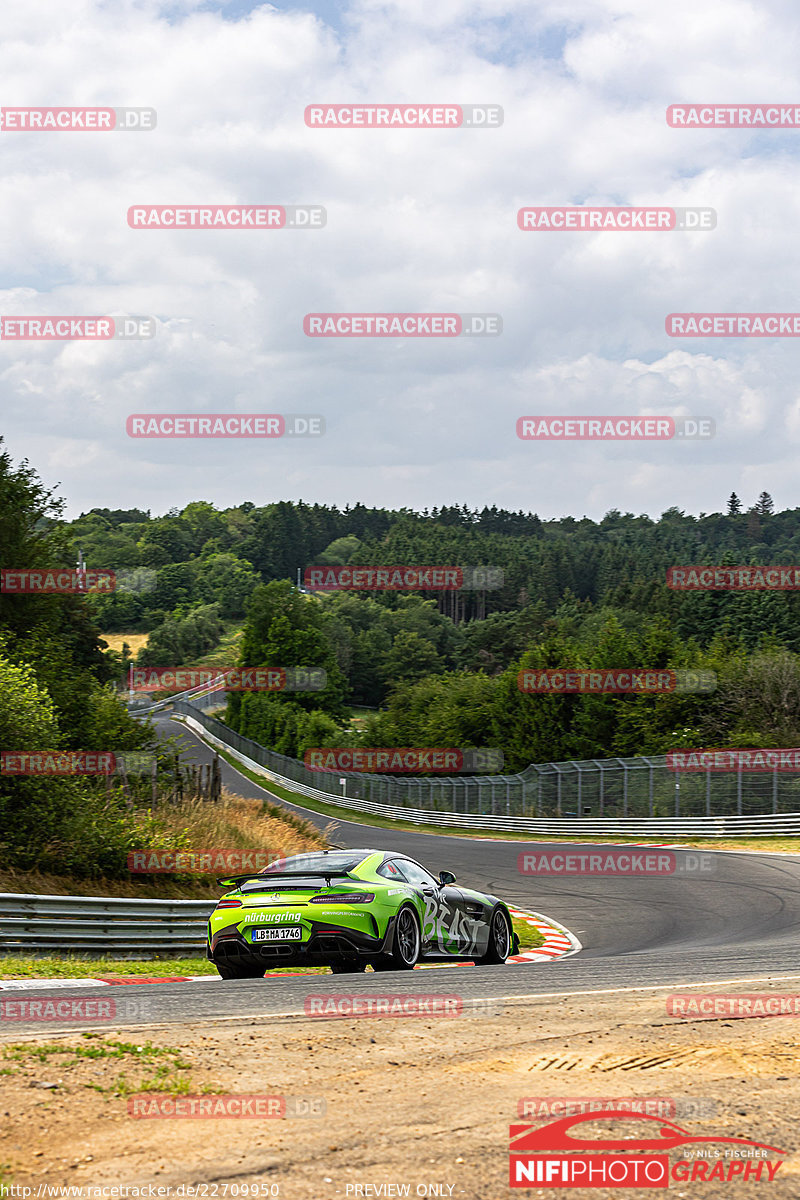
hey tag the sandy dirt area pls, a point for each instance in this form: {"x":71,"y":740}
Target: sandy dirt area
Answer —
{"x":417,"y":1103}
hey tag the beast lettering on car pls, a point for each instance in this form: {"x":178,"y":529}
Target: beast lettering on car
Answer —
{"x":443,"y":924}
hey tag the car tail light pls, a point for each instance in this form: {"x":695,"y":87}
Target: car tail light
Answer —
{"x":344,"y":898}
{"x":229,"y":904}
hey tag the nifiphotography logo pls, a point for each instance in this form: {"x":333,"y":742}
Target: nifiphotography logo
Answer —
{"x":559,"y":1155}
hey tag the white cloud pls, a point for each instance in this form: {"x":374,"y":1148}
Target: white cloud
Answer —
{"x":417,"y":221}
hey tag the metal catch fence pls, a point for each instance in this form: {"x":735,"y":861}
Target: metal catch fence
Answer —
{"x":609,"y":790}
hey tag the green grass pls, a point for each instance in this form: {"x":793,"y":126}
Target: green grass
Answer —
{"x":225,"y":654}
{"x":529,"y":937}
{"x":165,"y":1079}
{"x":359,"y":714}
{"x":168,"y":1065}
{"x":94,"y":1047}
{"x":25,"y":966}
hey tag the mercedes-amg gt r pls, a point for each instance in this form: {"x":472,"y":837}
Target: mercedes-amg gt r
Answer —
{"x":349,"y":908}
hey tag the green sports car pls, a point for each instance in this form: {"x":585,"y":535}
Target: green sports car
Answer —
{"x":347,"y":908}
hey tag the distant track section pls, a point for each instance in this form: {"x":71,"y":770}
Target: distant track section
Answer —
{"x":775,"y":825}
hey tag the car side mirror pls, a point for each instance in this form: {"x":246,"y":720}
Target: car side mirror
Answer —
{"x":446,"y":877}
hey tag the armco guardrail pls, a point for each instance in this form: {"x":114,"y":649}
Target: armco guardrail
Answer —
{"x":102,"y":925}
{"x":609,"y":789}
{"x":773,"y":825}
{"x":202,"y":695}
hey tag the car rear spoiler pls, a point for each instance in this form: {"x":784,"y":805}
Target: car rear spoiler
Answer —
{"x":266,"y":879}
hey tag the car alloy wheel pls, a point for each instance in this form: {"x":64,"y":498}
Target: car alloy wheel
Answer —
{"x":500,"y":935}
{"x":406,"y":939}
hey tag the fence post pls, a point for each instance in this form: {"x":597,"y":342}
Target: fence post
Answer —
{"x":774,"y":789}
{"x":650,"y":799}
{"x":708,"y":791}
{"x":599,"y":766}
{"x":739,"y":792}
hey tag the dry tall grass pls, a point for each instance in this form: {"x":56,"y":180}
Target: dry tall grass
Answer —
{"x":237,"y":823}
{"x":136,"y":641}
{"x":234,"y":823}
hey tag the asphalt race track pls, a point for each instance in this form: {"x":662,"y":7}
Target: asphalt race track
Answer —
{"x":737,"y":919}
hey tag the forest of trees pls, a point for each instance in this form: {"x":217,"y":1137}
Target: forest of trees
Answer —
{"x":55,"y":694}
{"x":202,"y":556}
{"x":434,"y":671}
{"x":576,"y":592}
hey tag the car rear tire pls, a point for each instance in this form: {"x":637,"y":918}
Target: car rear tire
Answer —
{"x":240,"y":970}
{"x":500,"y":938}
{"x":406,"y":943}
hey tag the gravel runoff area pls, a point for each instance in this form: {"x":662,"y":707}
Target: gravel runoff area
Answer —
{"x":423,"y":1103}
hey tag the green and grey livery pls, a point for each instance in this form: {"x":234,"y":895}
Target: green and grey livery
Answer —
{"x":349,"y":908}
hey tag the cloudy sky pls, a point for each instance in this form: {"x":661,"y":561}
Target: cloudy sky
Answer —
{"x":417,"y":221}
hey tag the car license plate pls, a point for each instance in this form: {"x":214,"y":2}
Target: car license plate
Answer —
{"x":285,"y":933}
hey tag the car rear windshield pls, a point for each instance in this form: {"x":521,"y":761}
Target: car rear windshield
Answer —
{"x":315,"y":863}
